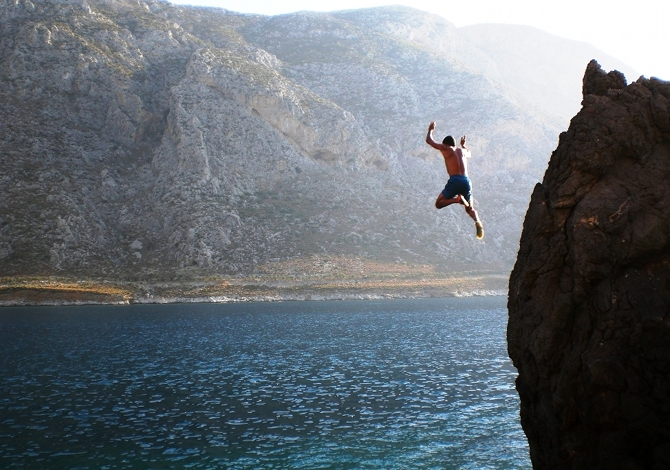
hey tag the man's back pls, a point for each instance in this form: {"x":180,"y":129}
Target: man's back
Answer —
{"x":455,"y":159}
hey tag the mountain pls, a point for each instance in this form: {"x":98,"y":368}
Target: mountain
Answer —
{"x":589,"y":294}
{"x":147,"y":141}
{"x":532,"y":61}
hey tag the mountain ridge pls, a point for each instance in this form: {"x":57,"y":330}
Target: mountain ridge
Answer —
{"x":531,"y":57}
{"x":151,"y":141}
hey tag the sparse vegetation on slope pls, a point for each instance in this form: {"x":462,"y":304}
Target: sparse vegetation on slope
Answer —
{"x":146,"y":142}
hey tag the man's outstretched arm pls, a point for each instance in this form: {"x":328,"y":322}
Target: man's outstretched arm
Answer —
{"x":467,"y":153}
{"x":429,"y":138}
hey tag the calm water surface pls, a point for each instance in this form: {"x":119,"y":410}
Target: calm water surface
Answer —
{"x":363,"y":384}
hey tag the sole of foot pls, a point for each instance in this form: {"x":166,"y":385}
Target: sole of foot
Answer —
{"x":480,"y":230}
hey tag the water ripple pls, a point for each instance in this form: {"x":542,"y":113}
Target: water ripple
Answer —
{"x":389,"y":384}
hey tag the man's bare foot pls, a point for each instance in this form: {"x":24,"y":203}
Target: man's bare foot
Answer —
{"x":480,"y":230}
{"x":463,"y":201}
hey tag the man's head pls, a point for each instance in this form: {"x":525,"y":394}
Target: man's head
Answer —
{"x":449,"y":140}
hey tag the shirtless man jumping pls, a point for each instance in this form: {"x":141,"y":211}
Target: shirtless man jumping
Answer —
{"x":458,"y":188}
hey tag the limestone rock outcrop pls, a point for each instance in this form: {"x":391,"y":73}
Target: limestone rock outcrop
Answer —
{"x":143,"y":140}
{"x":219,"y":141}
{"x":589,"y":296}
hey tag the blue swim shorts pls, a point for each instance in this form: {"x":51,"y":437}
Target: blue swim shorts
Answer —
{"x":458,"y":184}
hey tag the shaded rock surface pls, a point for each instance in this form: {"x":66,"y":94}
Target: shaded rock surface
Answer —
{"x":589,"y":296}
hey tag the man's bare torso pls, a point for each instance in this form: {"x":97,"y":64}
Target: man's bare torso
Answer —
{"x":456,"y":160}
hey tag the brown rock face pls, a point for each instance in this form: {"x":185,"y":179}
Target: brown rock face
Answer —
{"x":589,"y":297}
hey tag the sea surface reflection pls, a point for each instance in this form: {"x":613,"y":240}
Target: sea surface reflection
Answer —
{"x":361,"y":384}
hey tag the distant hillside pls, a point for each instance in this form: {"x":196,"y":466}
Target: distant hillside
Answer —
{"x":546,"y":69}
{"x":143,"y":140}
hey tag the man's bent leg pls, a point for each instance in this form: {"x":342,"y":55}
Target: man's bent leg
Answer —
{"x":472,"y":213}
{"x":444,"y":202}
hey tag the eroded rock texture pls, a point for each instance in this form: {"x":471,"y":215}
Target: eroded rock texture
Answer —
{"x":589,"y":299}
{"x":142,"y":140}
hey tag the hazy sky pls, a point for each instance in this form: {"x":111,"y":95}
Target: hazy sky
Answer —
{"x":635,"y":32}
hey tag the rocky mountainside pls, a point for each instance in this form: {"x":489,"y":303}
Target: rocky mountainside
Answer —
{"x":589,"y":296}
{"x":142,"y":140}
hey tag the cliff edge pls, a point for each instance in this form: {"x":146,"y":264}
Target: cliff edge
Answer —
{"x":589,"y":296}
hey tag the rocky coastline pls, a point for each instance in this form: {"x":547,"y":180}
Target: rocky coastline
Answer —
{"x":54,"y":292}
{"x":589,"y":296}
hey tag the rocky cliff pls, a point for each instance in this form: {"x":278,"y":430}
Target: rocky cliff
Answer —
{"x":142,"y":140}
{"x":589,"y":296}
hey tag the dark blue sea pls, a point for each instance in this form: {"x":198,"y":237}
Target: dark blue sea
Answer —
{"x":392,"y":384}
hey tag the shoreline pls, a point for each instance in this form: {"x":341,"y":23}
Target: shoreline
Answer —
{"x":77,"y":293}
{"x":236,"y":299}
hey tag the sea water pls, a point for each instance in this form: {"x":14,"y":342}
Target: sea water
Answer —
{"x":389,"y":384}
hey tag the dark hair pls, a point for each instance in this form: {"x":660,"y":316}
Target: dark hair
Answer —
{"x":449,"y":140}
